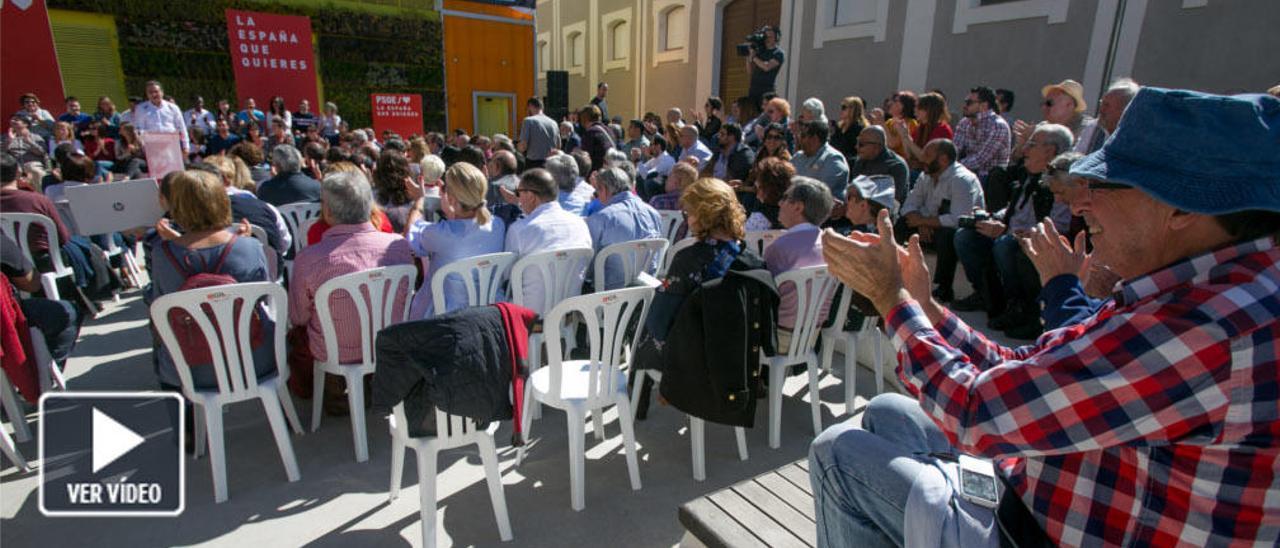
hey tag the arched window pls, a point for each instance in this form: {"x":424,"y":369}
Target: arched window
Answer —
{"x":575,"y":47}
{"x":619,"y":44}
{"x":673,"y":28}
{"x":544,"y":56}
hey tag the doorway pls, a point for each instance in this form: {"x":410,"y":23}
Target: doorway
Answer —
{"x":741,"y":17}
{"x":493,"y":112}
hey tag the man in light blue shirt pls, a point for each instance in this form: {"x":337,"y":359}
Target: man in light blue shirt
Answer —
{"x":624,"y":218}
{"x":692,"y":147}
{"x":544,"y":227}
{"x":574,"y":193}
{"x":820,"y":160}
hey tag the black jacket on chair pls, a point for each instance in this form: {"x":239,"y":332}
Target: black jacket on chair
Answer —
{"x":456,"y":362}
{"x":712,"y":353}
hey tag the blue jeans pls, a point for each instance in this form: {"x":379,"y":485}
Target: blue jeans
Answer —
{"x":861,"y":477}
{"x":974,"y":252}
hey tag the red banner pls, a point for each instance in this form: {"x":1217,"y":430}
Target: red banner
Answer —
{"x":28,"y":62}
{"x":399,"y":112}
{"x":272,"y":55}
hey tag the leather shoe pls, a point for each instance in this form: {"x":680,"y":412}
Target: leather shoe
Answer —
{"x":943,"y":295}
{"x":971,"y":303}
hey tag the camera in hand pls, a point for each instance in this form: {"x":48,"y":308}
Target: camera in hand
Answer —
{"x":754,"y":40}
{"x":971,"y":221}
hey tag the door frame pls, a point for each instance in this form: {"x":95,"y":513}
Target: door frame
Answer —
{"x":475,"y":108}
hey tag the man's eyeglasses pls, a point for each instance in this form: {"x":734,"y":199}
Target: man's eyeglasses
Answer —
{"x":868,"y":143}
{"x":519,"y":190}
{"x":1105,"y":185}
{"x":1048,"y":103}
{"x":970,"y":101}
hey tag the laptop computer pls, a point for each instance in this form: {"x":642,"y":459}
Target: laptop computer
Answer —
{"x":104,"y":208}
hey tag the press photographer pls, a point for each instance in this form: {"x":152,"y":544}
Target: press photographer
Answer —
{"x":764,"y":59}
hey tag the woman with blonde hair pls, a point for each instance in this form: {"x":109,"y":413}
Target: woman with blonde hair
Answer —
{"x":198,"y":203}
{"x":244,"y":205}
{"x":467,"y":231}
{"x":64,"y":132}
{"x":717,"y":220}
{"x":853,"y":119}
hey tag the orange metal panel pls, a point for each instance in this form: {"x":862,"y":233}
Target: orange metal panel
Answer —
{"x":489,"y":56}
{"x":490,"y":9}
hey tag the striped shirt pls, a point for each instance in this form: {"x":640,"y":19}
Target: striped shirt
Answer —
{"x":1154,"y":422}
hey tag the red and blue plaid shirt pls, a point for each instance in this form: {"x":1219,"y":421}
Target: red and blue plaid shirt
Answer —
{"x":983,"y":143}
{"x":1154,"y":422}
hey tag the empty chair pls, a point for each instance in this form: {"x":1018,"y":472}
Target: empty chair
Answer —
{"x":451,"y":431}
{"x":634,"y":257}
{"x":590,"y":385}
{"x":226,"y":329}
{"x":559,"y":276}
{"x":671,"y":222}
{"x":813,"y":286}
{"x":835,"y":335}
{"x":17,"y":226}
{"x":483,"y":275}
{"x":299,"y":216}
{"x":374,"y":293}
{"x":758,"y":240}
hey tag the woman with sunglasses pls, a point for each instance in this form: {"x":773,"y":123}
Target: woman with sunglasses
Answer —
{"x":853,"y":118}
{"x":774,"y":145}
{"x":902,"y":113}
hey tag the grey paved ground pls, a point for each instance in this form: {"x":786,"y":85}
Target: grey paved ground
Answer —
{"x":341,"y":503}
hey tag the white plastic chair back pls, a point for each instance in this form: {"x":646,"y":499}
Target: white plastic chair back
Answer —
{"x":671,"y":221}
{"x":18,"y":227}
{"x":272,"y":254}
{"x":814,"y":287}
{"x":759,"y":240}
{"x":295,"y":215}
{"x":483,"y":276}
{"x":636,"y":256}
{"x":559,"y":272}
{"x":451,"y":430}
{"x":673,"y":251}
{"x":374,"y":293}
{"x":606,"y":317}
{"x":233,"y":363}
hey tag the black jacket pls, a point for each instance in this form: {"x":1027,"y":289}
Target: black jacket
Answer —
{"x":741,"y":159}
{"x":712,"y":353}
{"x":288,"y":188}
{"x":456,"y":362}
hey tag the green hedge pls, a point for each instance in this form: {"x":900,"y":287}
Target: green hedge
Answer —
{"x":184,"y":44}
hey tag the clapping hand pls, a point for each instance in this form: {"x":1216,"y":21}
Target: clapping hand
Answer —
{"x":1052,"y":254}
{"x":869,"y":264}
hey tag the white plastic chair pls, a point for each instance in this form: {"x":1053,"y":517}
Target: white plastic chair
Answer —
{"x":19,"y":421}
{"x":560,"y":274}
{"x":233,"y":366}
{"x":131,"y":267}
{"x":835,"y":335}
{"x":297,"y":215}
{"x":271,"y":253}
{"x":813,"y":289}
{"x":636,"y":256}
{"x":671,"y":221}
{"x":582,"y":386}
{"x":672,"y":252}
{"x":383,"y":288}
{"x":451,"y":431}
{"x":759,"y":240}
{"x":483,"y":276}
{"x":17,"y":225}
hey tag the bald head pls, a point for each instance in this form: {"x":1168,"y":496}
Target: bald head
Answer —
{"x":870,"y":142}
{"x":502,"y":163}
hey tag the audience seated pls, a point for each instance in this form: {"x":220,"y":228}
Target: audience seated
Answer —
{"x":901,"y":112}
{"x":982,"y":136}
{"x":198,"y":203}
{"x":16,"y":200}
{"x":396,"y":189}
{"x":935,"y":123}
{"x":804,"y":207}
{"x":624,"y":218}
{"x":692,"y":147}
{"x":596,"y":137}
{"x":573,"y":193}
{"x":844,"y":133}
{"x":246,"y":206}
{"x":682,"y":175}
{"x":817,"y":159}
{"x":876,"y":159}
{"x":467,"y":230}
{"x":731,"y":160}
{"x":545,"y":225}
{"x":994,"y":241}
{"x":377,"y":218}
{"x":350,"y":245}
{"x":656,"y":166}
{"x":945,"y":192}
{"x":773,"y":176}
{"x":501,"y":169}
{"x":289,"y":185}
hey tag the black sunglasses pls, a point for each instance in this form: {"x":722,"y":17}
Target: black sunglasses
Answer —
{"x":1104,"y":185}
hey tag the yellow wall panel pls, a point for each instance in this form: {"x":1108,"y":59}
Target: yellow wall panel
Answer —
{"x":89,"y":58}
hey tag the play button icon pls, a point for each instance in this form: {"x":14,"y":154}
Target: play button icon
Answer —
{"x":111,"y":440}
{"x":111,"y":454}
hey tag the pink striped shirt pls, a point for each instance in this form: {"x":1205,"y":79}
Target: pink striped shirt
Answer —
{"x":342,"y":250}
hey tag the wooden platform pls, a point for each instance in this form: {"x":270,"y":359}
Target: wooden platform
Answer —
{"x":772,"y":509}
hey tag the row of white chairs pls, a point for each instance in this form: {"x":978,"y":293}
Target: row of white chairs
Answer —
{"x":18,"y":227}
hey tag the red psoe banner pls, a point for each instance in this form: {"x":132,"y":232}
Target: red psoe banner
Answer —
{"x":28,"y":61}
{"x":399,"y":112}
{"x":272,"y":55}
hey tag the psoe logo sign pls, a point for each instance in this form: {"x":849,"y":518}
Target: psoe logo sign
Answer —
{"x":112,"y":454}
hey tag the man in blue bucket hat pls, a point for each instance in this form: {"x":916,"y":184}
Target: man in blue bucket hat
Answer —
{"x":1155,"y":421}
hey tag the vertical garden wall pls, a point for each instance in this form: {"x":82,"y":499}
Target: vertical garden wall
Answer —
{"x":183,"y":43}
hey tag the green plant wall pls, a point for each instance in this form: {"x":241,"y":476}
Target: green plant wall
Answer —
{"x":183,"y":43}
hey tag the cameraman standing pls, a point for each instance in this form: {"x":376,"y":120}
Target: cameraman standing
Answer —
{"x":764,"y":64}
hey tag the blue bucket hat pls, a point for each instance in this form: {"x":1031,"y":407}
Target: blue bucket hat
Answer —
{"x":1209,"y":154}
